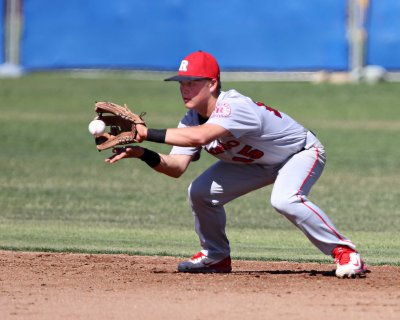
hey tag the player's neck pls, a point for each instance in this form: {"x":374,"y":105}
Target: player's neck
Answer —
{"x":207,"y":107}
{"x":212,"y":101}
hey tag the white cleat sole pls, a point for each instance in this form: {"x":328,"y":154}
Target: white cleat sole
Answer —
{"x":350,"y":272}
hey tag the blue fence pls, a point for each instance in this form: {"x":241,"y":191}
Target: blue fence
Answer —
{"x":285,"y":35}
{"x":383,"y":46}
{"x":252,"y":34}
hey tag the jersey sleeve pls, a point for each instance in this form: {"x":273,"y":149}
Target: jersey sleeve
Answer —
{"x":236,"y":115}
{"x":189,"y":120}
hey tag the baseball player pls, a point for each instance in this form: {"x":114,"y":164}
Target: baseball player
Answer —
{"x":256,"y":146}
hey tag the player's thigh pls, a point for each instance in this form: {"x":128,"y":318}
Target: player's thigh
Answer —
{"x":300,"y":173}
{"x":226,"y":181}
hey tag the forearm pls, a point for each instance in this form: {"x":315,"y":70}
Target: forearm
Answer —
{"x":170,"y":166}
{"x":162,"y":163}
{"x":184,"y":137}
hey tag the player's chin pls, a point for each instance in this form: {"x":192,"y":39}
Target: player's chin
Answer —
{"x":186,"y":101}
{"x":189,"y":104}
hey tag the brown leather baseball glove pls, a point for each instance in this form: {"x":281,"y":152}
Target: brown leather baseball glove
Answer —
{"x":122,"y":123}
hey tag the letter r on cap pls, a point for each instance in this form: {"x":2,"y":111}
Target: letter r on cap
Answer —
{"x":183,"y":66}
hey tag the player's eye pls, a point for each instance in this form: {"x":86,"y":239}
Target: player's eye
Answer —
{"x":186,"y":84}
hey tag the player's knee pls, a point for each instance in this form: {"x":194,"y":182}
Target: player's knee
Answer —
{"x":198,"y":192}
{"x":283,"y":203}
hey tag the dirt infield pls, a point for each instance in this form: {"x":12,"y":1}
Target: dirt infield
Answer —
{"x":83,"y":286}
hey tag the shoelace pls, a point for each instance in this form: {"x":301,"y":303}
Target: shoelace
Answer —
{"x":198,"y":255}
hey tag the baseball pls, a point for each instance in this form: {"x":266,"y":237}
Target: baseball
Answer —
{"x":97,"y":127}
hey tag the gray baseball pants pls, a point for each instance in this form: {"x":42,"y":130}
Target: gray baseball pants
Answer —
{"x":292,"y":182}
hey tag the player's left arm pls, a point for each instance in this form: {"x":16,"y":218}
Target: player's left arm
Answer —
{"x":173,"y":165}
{"x":196,"y":136}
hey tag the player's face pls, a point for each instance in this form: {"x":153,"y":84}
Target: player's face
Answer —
{"x":195,"y":94}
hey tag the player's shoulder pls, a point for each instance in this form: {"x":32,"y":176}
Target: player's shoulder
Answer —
{"x":235,"y":101}
{"x":231,"y":94}
{"x":233,"y":98}
{"x":234,"y":106}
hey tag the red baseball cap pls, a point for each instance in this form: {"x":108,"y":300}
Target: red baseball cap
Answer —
{"x":197,"y":66}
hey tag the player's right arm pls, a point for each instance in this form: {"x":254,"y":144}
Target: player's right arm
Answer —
{"x":173,"y":165}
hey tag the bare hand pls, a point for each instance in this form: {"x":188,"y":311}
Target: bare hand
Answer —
{"x":141,"y":134}
{"x":125,"y":152}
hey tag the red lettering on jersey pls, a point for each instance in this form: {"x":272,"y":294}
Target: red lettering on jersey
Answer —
{"x":275,"y":112}
{"x":249,"y":154}
{"x":222,"y":147}
{"x":222,"y":110}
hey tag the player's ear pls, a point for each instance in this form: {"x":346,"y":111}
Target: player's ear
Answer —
{"x":213,"y":84}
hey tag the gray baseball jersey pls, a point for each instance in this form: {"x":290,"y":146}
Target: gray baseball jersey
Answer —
{"x":259,"y":134}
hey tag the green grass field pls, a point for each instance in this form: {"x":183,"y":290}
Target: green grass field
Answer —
{"x":57,"y":194}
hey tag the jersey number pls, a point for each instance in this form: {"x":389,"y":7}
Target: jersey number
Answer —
{"x":274,"y":111}
{"x":248,"y":154}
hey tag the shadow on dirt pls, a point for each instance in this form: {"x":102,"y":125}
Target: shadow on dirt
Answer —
{"x":309,"y":272}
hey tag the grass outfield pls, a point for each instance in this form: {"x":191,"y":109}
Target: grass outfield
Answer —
{"x":58,"y":195}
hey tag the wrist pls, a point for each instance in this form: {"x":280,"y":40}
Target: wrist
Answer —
{"x":141,"y":130}
{"x":152,"y":158}
{"x":156,"y":135}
